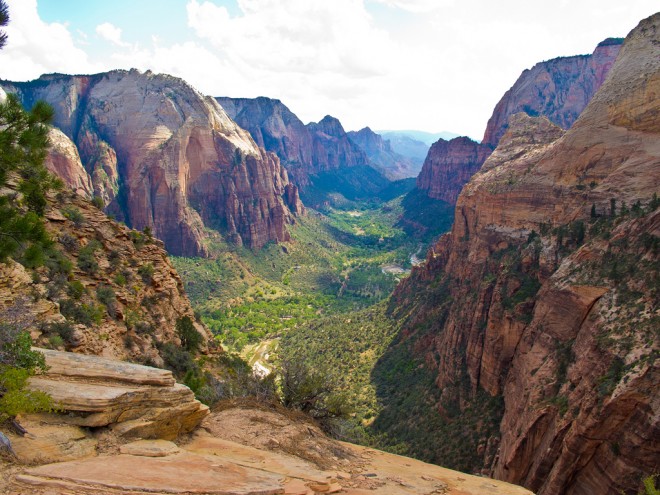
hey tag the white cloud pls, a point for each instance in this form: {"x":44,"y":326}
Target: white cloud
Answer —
{"x":111,"y":33}
{"x":440,"y":65}
{"x":418,"y":6}
{"x":35,"y":47}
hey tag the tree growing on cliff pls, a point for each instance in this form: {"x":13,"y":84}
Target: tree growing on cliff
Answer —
{"x":4,"y":20}
{"x":23,"y":148}
{"x":17,"y":363}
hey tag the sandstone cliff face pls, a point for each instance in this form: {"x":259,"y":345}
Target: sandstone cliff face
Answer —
{"x":306,"y":151}
{"x":122,"y":296}
{"x":275,"y":128}
{"x":559,"y":89}
{"x":63,"y":160}
{"x":449,"y":166}
{"x":545,"y":298}
{"x":380,"y":152}
{"x":163,"y":156}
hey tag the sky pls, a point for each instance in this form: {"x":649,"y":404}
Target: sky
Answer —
{"x":432,"y":65}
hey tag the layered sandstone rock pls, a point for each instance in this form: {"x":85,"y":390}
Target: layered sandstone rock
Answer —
{"x":163,"y":156}
{"x":91,"y":392}
{"x":547,"y":300}
{"x":260,"y":458}
{"x":558,"y":89}
{"x":449,"y":166}
{"x":380,"y":152}
{"x":133,"y":400}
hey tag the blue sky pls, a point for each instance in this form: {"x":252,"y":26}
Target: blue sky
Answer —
{"x":432,"y":65}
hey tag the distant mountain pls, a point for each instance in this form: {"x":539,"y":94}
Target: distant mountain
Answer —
{"x":380,"y":152}
{"x":320,"y":157}
{"x":427,"y":138}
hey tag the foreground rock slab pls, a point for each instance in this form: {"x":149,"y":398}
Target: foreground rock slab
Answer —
{"x":127,"y":474}
{"x":133,"y":400}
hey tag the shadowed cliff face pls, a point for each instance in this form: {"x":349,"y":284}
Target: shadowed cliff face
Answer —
{"x":548,"y":289}
{"x":380,"y":152}
{"x":311,"y":153}
{"x":558,"y":89}
{"x":449,"y":166}
{"x":162,"y":155}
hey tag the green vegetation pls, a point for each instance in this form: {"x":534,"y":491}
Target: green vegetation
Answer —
{"x":333,"y":265}
{"x":341,"y":352}
{"x":23,"y":148}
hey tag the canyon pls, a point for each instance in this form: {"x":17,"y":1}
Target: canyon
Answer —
{"x":523,"y":349}
{"x":543,"y":294}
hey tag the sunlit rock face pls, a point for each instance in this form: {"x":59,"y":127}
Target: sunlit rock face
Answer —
{"x":557,"y":326}
{"x":161,"y":155}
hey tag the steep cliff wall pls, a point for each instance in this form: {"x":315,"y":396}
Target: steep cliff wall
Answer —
{"x":163,"y":156}
{"x":320,"y":157}
{"x":558,"y":89}
{"x":449,"y":166}
{"x":545,"y":292}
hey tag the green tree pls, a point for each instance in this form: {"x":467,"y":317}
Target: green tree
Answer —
{"x":23,"y":147}
{"x":4,"y":20}
{"x":191,"y":339}
{"x":17,"y":363}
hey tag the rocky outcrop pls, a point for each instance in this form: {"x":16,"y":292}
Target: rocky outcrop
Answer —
{"x":558,"y":89}
{"x":101,"y":402}
{"x":449,"y":166}
{"x":163,"y":156}
{"x":132,"y":400}
{"x":110,"y":291}
{"x":380,"y":152}
{"x":249,"y":451}
{"x":63,"y":160}
{"x":313,"y":154}
{"x":543,"y":293}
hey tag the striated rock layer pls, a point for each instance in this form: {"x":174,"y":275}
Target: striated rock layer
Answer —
{"x":449,"y":166}
{"x":545,"y":292}
{"x":558,"y":89}
{"x":305,"y":150}
{"x":163,"y":156}
{"x":133,"y":400}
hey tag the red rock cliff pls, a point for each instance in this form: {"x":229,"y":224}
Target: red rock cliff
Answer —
{"x":163,"y":156}
{"x":549,"y":283}
{"x":305,"y":150}
{"x":449,"y":166}
{"x":558,"y":89}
